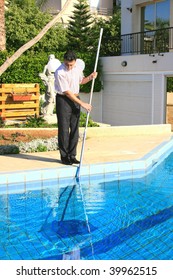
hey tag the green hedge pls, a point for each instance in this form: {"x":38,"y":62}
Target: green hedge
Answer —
{"x":26,"y":69}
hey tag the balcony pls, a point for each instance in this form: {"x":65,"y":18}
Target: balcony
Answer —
{"x":101,"y":11}
{"x":148,"y":42}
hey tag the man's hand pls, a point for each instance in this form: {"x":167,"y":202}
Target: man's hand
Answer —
{"x":94,"y":75}
{"x":89,"y":78}
{"x":86,"y":106}
{"x":72,"y":97}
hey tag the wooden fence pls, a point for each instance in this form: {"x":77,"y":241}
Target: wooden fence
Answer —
{"x":17,"y":101}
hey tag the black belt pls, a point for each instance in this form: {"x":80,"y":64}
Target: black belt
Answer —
{"x":62,"y":95}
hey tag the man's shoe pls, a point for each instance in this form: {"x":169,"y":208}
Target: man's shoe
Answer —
{"x":74,"y":160}
{"x":66,"y":161}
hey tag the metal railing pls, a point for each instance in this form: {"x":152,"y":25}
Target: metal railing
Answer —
{"x":148,"y":42}
{"x":102,"y":11}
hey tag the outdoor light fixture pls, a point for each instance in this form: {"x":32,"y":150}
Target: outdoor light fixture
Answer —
{"x":130,"y":10}
{"x":124,"y":63}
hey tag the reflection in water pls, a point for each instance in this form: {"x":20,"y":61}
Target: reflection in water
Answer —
{"x":73,"y":255}
{"x":69,"y":230}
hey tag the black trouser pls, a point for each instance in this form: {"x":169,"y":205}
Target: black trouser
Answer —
{"x":68,"y":114}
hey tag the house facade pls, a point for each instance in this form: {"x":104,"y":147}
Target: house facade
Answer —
{"x":135,"y":83}
{"x":98,"y":7}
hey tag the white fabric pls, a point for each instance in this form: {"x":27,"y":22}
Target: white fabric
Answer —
{"x":80,"y":63}
{"x":53,"y":64}
{"x":68,"y":79}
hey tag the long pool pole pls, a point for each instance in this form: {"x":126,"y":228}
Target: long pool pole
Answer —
{"x":90,"y":101}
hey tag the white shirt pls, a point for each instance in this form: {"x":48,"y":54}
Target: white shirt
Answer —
{"x":68,"y":79}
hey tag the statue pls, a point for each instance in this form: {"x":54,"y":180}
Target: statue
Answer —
{"x":48,"y":78}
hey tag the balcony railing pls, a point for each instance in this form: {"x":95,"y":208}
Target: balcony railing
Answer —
{"x":148,"y":42}
{"x":102,"y":11}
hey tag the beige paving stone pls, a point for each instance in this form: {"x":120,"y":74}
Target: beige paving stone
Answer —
{"x":100,"y":147}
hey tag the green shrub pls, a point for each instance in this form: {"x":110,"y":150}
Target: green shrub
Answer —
{"x":82,"y":122}
{"x":9,"y":149}
{"x":34,"y":121}
{"x":26,"y":70}
{"x":41,"y":148}
{"x":2,"y":122}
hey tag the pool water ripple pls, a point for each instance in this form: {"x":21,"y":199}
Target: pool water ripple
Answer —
{"x":118,"y":219}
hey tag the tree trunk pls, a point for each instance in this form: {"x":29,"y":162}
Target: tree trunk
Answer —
{"x":33,"y":41}
{"x":2,"y":26}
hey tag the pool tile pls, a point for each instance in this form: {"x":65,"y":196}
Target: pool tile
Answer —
{"x":137,"y":168}
{"x":96,"y":169}
{"x":3,"y":189}
{"x":124,"y":166}
{"x":111,"y":167}
{"x":3,"y":253}
{"x":15,"y":188}
{"x":84,"y":170}
{"x":11,"y":250}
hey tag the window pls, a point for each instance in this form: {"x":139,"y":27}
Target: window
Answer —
{"x":155,"y":20}
{"x":156,"y":16}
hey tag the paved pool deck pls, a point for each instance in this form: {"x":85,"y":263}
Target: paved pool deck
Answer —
{"x":103,"y":146}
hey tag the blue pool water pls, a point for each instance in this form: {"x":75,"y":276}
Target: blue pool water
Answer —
{"x":127,"y":219}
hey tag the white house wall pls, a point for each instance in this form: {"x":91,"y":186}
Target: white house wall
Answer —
{"x":126,"y":24}
{"x":52,"y":6}
{"x":96,"y":113}
{"x":135,"y":94}
{"x":127,"y":99}
{"x":107,"y":4}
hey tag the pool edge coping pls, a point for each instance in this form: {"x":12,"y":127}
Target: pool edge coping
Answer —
{"x":121,"y":169}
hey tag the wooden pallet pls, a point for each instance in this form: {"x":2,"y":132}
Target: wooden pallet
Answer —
{"x":17,"y":101}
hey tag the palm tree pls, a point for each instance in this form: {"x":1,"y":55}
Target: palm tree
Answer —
{"x":2,"y":26}
{"x":33,"y":41}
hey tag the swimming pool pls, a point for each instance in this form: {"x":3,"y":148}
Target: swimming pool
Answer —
{"x":105,"y":219}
